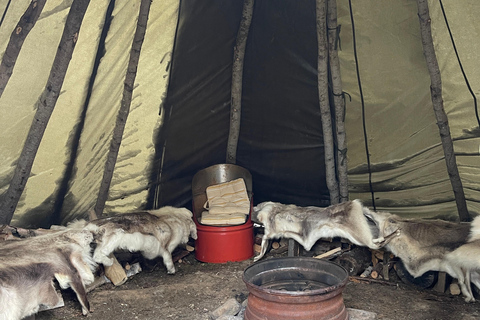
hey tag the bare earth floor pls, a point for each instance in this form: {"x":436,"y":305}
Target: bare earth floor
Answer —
{"x":199,"y":288}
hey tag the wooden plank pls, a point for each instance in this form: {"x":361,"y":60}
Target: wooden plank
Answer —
{"x":441,"y":284}
{"x":293,"y":248}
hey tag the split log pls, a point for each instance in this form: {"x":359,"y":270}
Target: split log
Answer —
{"x":441,"y":284}
{"x":179,"y":254}
{"x":377,"y":271}
{"x":377,"y":256}
{"x":366,"y":272}
{"x":100,"y":281}
{"x":115,"y":273}
{"x":293,"y":248}
{"x":387,"y":265}
{"x":328,"y":253}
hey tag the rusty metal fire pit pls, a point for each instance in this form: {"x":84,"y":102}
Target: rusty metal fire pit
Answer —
{"x":294,"y":288}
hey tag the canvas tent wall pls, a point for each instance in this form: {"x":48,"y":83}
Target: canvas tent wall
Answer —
{"x":184,"y":74}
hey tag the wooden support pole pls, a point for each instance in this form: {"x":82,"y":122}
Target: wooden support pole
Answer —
{"x":237,"y":79}
{"x":18,"y":36}
{"x":45,"y":105}
{"x":326,"y":117}
{"x":338,"y":99}
{"x":437,"y":100}
{"x":124,"y":106}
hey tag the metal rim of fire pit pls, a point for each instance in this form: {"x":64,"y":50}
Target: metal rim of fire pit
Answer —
{"x":295,"y":288}
{"x":255,"y":271}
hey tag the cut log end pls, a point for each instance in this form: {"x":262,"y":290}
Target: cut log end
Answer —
{"x":115,"y":273}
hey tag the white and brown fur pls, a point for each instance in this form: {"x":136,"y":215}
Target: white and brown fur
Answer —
{"x":432,"y":245}
{"x":29,"y":266}
{"x":467,"y":257}
{"x":307,"y":225}
{"x":154,"y":233}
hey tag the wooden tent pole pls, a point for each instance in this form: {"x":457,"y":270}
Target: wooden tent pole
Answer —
{"x":237,"y":78}
{"x":18,"y":36}
{"x":326,"y":117}
{"x":441,"y":116}
{"x":45,"y":105}
{"x":124,"y":106}
{"x":338,"y":99}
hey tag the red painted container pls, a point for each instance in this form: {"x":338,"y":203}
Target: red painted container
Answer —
{"x":220,"y":244}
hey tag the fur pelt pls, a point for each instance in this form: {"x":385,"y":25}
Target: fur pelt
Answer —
{"x":433,"y":245}
{"x":307,"y":225}
{"x":29,"y":266}
{"x":153,"y":233}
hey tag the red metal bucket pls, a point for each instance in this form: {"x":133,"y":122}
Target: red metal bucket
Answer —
{"x":219,"y":244}
{"x":223,"y":244}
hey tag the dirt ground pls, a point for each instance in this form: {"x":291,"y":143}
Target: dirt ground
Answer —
{"x":198,"y":288}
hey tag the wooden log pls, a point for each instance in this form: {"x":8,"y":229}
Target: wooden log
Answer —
{"x":386,"y":266}
{"x":275,"y":245}
{"x":455,"y":289}
{"x":293,"y":248}
{"x":441,"y":284}
{"x":355,"y":260}
{"x":377,"y":256}
{"x":366,"y":272}
{"x":115,"y":272}
{"x":377,"y":271}
{"x":99,"y":281}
